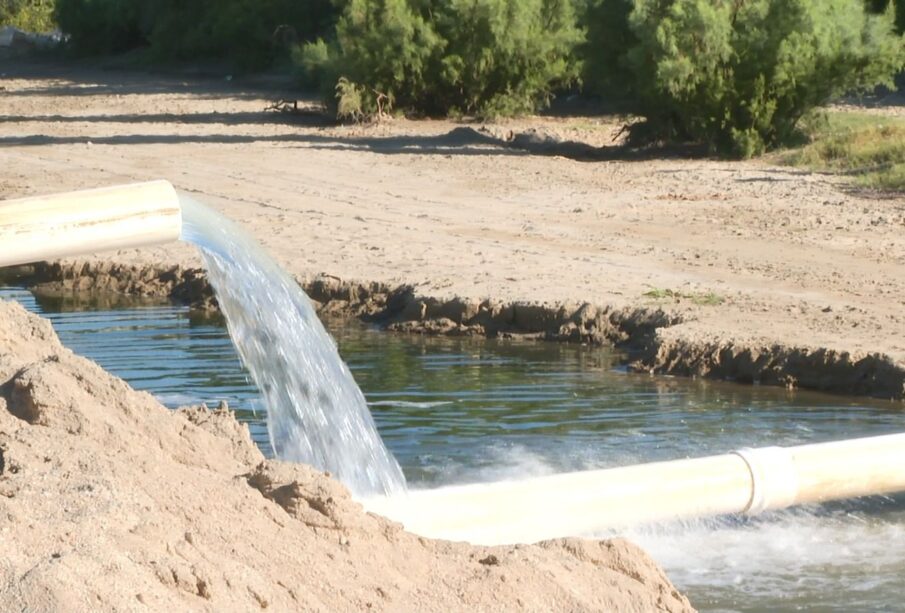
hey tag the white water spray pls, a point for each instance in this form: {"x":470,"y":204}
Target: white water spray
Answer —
{"x":316,"y":413}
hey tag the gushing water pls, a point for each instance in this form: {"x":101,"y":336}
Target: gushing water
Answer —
{"x":840,"y":558}
{"x":316,"y":413}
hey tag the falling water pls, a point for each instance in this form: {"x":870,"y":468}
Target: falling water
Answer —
{"x":316,"y":413}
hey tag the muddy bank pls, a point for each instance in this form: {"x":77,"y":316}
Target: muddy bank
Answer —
{"x":185,"y":285}
{"x":398,"y":308}
{"x":109,"y":501}
{"x":656,"y":340}
{"x":871,"y":374}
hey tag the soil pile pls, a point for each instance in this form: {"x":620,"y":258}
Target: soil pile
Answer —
{"x":109,"y":501}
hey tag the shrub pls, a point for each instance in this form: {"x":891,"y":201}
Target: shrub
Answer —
{"x":897,"y":6}
{"x":486,"y":57}
{"x":27,"y":15}
{"x":104,"y":26}
{"x":505,"y":57}
{"x":248,"y":33}
{"x":738,"y":74}
{"x":380,"y":47}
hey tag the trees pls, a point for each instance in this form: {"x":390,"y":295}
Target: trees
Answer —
{"x":243,"y":32}
{"x":896,"y":6}
{"x":485,"y":57}
{"x":737,"y":74}
{"x":28,"y":15}
{"x":248,"y":33}
{"x":104,"y":26}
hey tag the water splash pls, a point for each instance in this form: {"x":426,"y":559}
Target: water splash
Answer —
{"x":316,"y":413}
{"x":841,"y":558}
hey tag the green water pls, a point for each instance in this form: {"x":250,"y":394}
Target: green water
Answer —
{"x":475,"y":410}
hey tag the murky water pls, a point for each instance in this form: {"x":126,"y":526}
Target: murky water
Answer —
{"x":465,"y":410}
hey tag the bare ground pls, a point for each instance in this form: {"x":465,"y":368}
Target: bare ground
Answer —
{"x":765,"y":273}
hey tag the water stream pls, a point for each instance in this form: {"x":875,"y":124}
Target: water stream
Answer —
{"x":460,"y":410}
{"x":317,"y":414}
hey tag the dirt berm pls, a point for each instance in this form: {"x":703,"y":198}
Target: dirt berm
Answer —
{"x":111,"y":502}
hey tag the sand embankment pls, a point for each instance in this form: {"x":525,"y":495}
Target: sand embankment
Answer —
{"x":745,"y":271}
{"x":109,"y":501}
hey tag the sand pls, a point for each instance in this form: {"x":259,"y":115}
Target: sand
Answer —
{"x":111,"y":502}
{"x":764,"y":273}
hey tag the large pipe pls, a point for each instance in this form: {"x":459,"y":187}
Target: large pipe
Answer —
{"x":584,"y":503}
{"x":77,"y":223}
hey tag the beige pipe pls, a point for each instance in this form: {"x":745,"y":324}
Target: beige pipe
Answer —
{"x":77,"y":223}
{"x":584,"y":503}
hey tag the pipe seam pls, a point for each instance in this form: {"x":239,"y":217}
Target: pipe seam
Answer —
{"x":774,"y":478}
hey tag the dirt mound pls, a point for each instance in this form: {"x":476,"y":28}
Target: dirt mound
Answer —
{"x":108,"y":501}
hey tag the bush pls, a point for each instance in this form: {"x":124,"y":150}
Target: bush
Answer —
{"x":897,"y":6}
{"x":485,"y":57}
{"x":104,"y":26}
{"x":27,"y":15}
{"x":248,"y":33}
{"x":737,"y":74}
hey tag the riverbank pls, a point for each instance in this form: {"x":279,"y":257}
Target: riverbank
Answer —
{"x":738,"y":270}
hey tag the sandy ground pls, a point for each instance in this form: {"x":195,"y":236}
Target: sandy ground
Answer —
{"x":792,"y":257}
{"x":111,"y":502}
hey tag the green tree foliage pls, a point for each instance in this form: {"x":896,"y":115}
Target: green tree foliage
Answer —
{"x":249,"y":33}
{"x":28,"y":15}
{"x":896,"y":6}
{"x":737,"y":74}
{"x":486,"y":57}
{"x":103,"y":26}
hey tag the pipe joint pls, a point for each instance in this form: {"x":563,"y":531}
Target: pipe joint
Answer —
{"x":774,"y":478}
